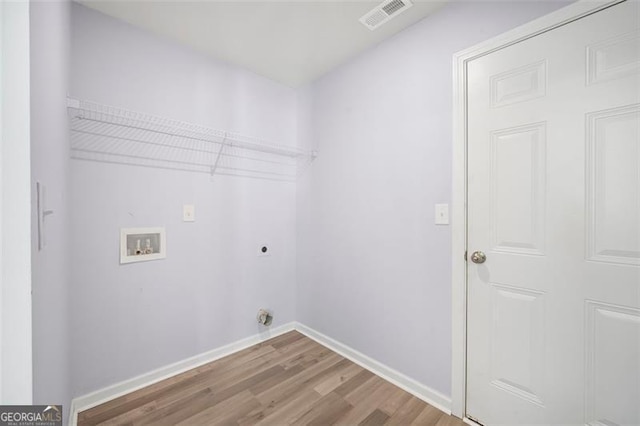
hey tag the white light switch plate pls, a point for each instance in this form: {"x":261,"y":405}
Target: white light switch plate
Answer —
{"x":188,"y":213}
{"x":442,"y":214}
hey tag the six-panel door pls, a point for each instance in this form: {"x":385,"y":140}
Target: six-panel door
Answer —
{"x":554,"y":202}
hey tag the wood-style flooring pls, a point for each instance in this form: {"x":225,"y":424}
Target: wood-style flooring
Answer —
{"x":287,"y":380}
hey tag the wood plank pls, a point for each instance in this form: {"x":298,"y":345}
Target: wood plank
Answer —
{"x":129,"y":416}
{"x":377,"y":418}
{"x":174,"y":412}
{"x":225,"y":412}
{"x":354,"y":382}
{"x":407,"y":413}
{"x":286,"y":339}
{"x":362,"y":393}
{"x":285,"y":412}
{"x":308,"y":343}
{"x":312,"y":355}
{"x":429,"y":416}
{"x":335,"y":380}
{"x":275,"y":379}
{"x":293,"y":384}
{"x":181,"y":409}
{"x":325,"y":411}
{"x":450,"y":421}
{"x":396,"y":400}
{"x":367,"y":399}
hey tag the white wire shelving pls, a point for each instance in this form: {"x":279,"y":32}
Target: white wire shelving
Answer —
{"x":113,"y":135}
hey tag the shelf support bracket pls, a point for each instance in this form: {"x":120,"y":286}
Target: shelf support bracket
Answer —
{"x":222,"y":145}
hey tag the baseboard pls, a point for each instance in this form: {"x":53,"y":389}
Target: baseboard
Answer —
{"x":404,"y":382}
{"x":468,"y":421}
{"x":101,"y":396}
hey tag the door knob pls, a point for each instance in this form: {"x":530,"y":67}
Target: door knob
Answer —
{"x":478,"y":257}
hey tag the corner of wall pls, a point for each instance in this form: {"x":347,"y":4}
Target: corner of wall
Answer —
{"x":50,"y":32}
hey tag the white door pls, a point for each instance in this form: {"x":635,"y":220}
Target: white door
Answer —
{"x":554,"y":203}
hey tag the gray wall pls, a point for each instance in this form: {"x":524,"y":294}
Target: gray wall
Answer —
{"x":373,"y":269}
{"x":49,"y":26}
{"x":130,"y":319}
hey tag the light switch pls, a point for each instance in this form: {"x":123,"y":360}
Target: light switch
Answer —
{"x":188,"y":213}
{"x":442,"y":214}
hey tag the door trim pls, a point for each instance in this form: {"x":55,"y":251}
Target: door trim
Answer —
{"x":546,"y":23}
{"x":16,"y":385}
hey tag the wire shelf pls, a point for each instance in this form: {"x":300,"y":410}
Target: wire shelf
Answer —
{"x":112,"y":135}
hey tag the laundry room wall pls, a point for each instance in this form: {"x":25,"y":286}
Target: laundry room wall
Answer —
{"x":129,"y":319}
{"x":374,"y":271}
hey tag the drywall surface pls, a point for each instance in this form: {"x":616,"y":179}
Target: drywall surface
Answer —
{"x":373,"y":269}
{"x":133,"y":318}
{"x":49,"y":26}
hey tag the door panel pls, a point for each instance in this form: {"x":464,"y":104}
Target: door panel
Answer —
{"x":554,"y":201}
{"x":519,"y":85}
{"x":518,"y":342}
{"x":612,"y":394}
{"x":613,"y":191}
{"x":517,"y":175}
{"x":613,"y":58}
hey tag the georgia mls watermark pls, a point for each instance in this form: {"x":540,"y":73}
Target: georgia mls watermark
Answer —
{"x":30,"y":415}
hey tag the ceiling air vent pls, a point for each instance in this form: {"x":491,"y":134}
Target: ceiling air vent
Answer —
{"x":384,"y":12}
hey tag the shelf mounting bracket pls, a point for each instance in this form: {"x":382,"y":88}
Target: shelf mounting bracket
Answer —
{"x":222,"y":145}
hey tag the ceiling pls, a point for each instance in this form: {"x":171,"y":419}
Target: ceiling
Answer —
{"x":293,"y":42}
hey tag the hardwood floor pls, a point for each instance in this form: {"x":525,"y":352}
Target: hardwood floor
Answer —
{"x":287,"y":380}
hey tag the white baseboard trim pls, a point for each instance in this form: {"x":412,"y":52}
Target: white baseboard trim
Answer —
{"x":468,"y":421}
{"x":406,"y":383}
{"x":101,"y":396}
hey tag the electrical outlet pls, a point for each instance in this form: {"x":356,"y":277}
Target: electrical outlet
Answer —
{"x":188,"y":213}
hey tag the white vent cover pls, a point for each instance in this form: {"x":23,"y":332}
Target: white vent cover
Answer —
{"x":384,"y":12}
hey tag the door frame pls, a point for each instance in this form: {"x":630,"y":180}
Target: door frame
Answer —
{"x":16,"y":386}
{"x":541,"y":25}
